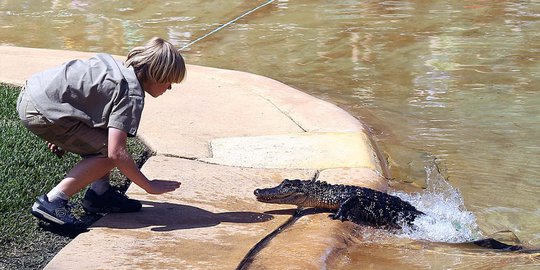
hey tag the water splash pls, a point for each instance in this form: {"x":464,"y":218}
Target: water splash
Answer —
{"x":446,"y":218}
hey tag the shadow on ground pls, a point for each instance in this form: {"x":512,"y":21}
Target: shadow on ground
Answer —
{"x":163,"y":217}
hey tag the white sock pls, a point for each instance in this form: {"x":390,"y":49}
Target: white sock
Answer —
{"x":100,"y":186}
{"x":57,"y":194}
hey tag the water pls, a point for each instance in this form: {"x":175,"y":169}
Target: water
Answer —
{"x":456,"y":81}
{"x":446,"y":218}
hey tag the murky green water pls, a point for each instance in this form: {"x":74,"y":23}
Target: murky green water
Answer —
{"x":453,"y":81}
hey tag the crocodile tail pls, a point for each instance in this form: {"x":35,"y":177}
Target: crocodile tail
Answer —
{"x":495,"y":244}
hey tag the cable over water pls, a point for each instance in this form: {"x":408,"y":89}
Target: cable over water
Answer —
{"x":227,"y":24}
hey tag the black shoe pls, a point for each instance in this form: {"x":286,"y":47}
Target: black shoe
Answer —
{"x":57,"y":213}
{"x":111,"y":201}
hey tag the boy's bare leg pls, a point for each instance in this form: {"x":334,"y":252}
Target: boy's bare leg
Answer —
{"x":84,"y":173}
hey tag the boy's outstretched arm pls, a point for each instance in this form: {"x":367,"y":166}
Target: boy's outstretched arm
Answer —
{"x":118,"y":153}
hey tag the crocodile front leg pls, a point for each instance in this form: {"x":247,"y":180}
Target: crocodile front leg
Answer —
{"x":343,"y":212}
{"x":361,"y":211}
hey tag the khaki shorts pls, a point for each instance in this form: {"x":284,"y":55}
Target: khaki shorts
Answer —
{"x":74,"y":136}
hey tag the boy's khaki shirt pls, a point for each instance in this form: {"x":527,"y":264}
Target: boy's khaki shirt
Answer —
{"x":100,"y":92}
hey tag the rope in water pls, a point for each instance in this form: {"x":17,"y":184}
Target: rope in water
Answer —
{"x":227,"y":24}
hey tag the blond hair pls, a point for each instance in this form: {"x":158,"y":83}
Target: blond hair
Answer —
{"x":158,"y":61}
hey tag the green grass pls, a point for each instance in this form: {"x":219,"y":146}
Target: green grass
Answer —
{"x":27,"y":170}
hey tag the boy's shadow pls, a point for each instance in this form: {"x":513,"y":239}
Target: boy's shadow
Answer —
{"x":163,"y":217}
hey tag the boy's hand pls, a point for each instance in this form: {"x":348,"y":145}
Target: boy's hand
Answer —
{"x":59,"y":152}
{"x":162,"y":186}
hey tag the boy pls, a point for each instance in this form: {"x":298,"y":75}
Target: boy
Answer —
{"x":90,"y":108}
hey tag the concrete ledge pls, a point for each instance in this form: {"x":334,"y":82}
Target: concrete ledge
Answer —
{"x":312,"y":114}
{"x":205,"y":107}
{"x":306,"y":150}
{"x":18,"y":63}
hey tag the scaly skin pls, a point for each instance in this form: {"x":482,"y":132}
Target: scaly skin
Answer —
{"x":357,"y":204}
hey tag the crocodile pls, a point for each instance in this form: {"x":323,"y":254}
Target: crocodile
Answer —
{"x":360,"y":205}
